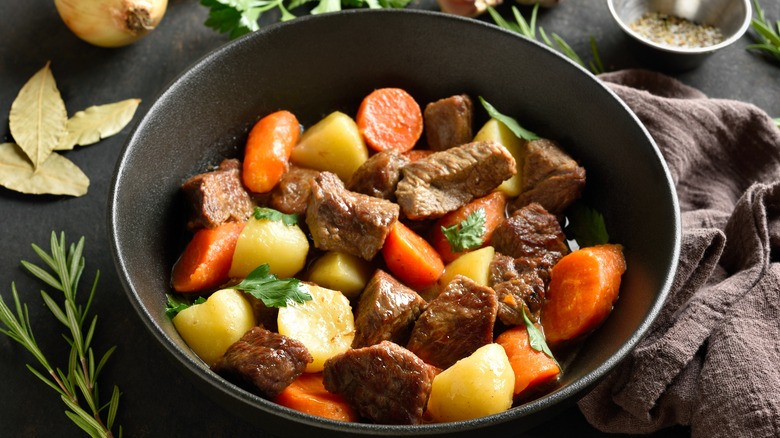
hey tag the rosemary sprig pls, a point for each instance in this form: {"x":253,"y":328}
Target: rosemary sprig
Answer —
{"x":766,"y":33}
{"x":528,"y":29}
{"x":78,"y":385}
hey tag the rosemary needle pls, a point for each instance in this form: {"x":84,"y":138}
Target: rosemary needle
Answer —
{"x":78,"y":384}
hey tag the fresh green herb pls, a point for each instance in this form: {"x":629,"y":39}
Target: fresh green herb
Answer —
{"x":536,"y":337}
{"x":586,"y":225}
{"x":274,"y":292}
{"x":467,"y":234}
{"x":175,"y":305}
{"x":78,"y":385}
{"x":767,"y":35}
{"x":528,"y":29}
{"x":508,"y":121}
{"x":777,"y":122}
{"x":275,"y":215}
{"x":239,"y":17}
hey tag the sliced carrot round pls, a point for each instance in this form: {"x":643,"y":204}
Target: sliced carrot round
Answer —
{"x":268,"y":150}
{"x":390,"y":119}
{"x":411,"y":258}
{"x":206,"y":260}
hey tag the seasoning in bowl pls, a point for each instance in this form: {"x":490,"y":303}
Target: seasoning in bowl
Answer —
{"x":675,"y":31}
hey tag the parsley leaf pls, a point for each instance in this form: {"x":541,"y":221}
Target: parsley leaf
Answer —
{"x":508,"y":121}
{"x":536,"y":338}
{"x":176,"y":305}
{"x":586,"y":225}
{"x":274,"y":292}
{"x":275,"y":215}
{"x":467,"y":234}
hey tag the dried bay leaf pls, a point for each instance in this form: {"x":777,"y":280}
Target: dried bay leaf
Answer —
{"x":97,"y":122}
{"x":38,"y":116}
{"x":55,"y":176}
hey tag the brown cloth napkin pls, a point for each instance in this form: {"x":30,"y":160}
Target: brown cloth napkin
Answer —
{"x":712,"y":358}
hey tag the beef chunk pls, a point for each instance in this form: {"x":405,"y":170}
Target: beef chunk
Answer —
{"x":455,"y":324}
{"x":218,"y":196}
{"x":530,"y":232}
{"x":386,"y":311}
{"x":385,"y":383}
{"x":550,"y":177}
{"x":379,"y":175}
{"x":518,"y":286}
{"x":443,"y":181}
{"x":340,"y":220}
{"x":291,"y":194}
{"x":264,"y":362}
{"x":448,"y":122}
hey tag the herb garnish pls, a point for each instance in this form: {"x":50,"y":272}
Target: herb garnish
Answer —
{"x":176,"y":305}
{"x":768,"y":38}
{"x":274,"y":292}
{"x":78,"y":384}
{"x":508,"y":121}
{"x":536,"y":338}
{"x":239,"y":17}
{"x":467,"y":234}
{"x":275,"y":215}
{"x":586,"y":225}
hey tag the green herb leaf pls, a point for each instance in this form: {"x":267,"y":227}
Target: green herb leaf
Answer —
{"x":274,"y":292}
{"x":275,"y":215}
{"x":508,"y":121}
{"x":176,"y":305}
{"x":234,"y":17}
{"x":767,"y":36}
{"x":536,"y":338}
{"x":586,"y":225}
{"x":467,"y":234}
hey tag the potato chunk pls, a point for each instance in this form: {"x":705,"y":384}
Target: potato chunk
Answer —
{"x":325,"y":324}
{"x":282,"y":247}
{"x":343,"y":272}
{"x":478,"y":385}
{"x":333,"y":144}
{"x":497,"y":131}
{"x":474,"y":265}
{"x":210,"y":328}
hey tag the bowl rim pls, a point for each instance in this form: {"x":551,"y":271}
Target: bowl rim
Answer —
{"x":201,"y":374}
{"x":684,"y":50}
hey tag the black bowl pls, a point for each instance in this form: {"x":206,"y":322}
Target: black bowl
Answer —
{"x":317,"y":64}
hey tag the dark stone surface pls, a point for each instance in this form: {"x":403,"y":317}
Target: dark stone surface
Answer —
{"x":157,"y":401}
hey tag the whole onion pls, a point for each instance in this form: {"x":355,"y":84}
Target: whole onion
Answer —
{"x":111,"y":23}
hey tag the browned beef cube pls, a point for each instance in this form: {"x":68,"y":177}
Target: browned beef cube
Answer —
{"x":518,"y":287}
{"x":550,"y":177}
{"x":385,"y":383}
{"x":218,"y":196}
{"x":264,"y":362}
{"x":386,"y":311}
{"x":455,"y":323}
{"x":448,"y":122}
{"x":340,"y":220}
{"x":379,"y":175}
{"x":443,"y":181}
{"x":291,"y":194}
{"x":530,"y":232}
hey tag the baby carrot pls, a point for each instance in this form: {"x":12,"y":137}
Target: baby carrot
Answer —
{"x":584,"y":285}
{"x":206,"y":260}
{"x":308,"y":394}
{"x":532,"y":368}
{"x":268,"y":149}
{"x":390,"y":119}
{"x":411,"y":258}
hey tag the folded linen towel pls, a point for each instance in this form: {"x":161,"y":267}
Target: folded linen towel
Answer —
{"x":712,"y":358}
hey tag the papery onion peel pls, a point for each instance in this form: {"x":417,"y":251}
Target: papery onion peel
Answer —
{"x":111,"y":23}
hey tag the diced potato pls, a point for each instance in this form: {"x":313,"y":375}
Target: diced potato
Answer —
{"x":497,"y":131}
{"x":474,"y":265}
{"x":325,"y":324}
{"x":210,"y":328}
{"x":475,"y":386}
{"x":282,"y":247}
{"x":343,"y":272}
{"x":333,"y":144}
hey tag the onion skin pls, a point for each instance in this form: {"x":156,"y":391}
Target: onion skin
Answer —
{"x":467,"y":8}
{"x":111,"y":23}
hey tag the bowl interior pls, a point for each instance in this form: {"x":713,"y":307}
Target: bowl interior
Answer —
{"x":314,"y":65}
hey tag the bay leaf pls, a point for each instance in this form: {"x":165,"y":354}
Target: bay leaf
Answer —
{"x":55,"y":176}
{"x":97,"y":122}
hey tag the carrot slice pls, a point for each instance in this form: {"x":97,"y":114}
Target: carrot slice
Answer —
{"x":494,"y":205}
{"x":532,"y":368}
{"x":411,"y":258}
{"x":206,"y":260}
{"x":584,"y":285}
{"x":390,"y":119}
{"x":307,"y":394}
{"x":268,"y":149}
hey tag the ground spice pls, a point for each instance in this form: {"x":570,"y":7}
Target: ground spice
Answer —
{"x":674,"y":31}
